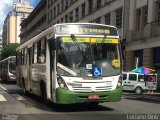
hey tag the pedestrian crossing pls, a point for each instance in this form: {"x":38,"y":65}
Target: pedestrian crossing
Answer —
{"x":2,"y":98}
{"x":17,"y":96}
{"x":3,"y":94}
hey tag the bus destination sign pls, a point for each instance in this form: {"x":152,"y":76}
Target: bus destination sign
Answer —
{"x":86,"y":30}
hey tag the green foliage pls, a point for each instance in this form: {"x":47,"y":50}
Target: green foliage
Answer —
{"x":9,"y":50}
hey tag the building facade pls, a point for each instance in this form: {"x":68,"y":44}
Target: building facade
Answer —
{"x":138,"y":23}
{"x":0,"y":43}
{"x":50,"y":12}
{"x":34,"y":23}
{"x":11,"y":27}
{"x":143,"y":35}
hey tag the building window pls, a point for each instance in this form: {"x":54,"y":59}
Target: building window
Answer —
{"x":49,"y":3}
{"x":107,"y":19}
{"x":83,"y":10}
{"x":98,"y":20}
{"x":90,"y":7}
{"x":62,"y":5}
{"x":61,"y":20}
{"x":71,"y":17}
{"x":119,"y":18}
{"x":51,"y":14}
{"x":71,"y":2}
{"x":158,"y":10}
{"x":138,"y":19}
{"x":77,"y":13}
{"x":138,"y":58}
{"x":145,"y":15}
{"x":66,"y":6}
{"x":141,"y":18}
{"x":99,"y":2}
{"x":156,"y":58}
{"x":66,"y":18}
{"x":55,"y":12}
{"x":48,"y":17}
{"x":58,"y":8}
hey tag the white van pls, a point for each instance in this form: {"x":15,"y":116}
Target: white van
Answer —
{"x":134,"y":82}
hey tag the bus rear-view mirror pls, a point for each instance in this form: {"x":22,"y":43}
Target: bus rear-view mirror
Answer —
{"x":116,"y":63}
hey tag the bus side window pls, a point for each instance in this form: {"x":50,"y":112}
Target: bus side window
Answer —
{"x":41,"y":51}
{"x":35,"y":53}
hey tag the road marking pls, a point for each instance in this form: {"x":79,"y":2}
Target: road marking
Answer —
{"x":2,"y":92}
{"x":140,"y":97}
{"x":2,"y":98}
{"x":18,"y":97}
{"x":3,"y":88}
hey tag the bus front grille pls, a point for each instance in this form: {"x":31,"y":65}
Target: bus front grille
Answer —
{"x":79,"y":86}
{"x":91,"y":89}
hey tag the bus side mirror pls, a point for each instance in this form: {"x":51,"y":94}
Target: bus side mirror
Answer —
{"x":116,"y":63}
{"x":58,"y":42}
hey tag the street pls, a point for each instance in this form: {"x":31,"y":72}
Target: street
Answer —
{"x":15,"y":105}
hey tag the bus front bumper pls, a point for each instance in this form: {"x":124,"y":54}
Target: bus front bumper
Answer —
{"x":69,"y":97}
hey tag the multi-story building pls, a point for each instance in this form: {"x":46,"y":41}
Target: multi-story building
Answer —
{"x":143,"y":35}
{"x":50,"y":12}
{"x":0,"y":43}
{"x":34,"y":23}
{"x":11,"y":27}
{"x":138,"y":23}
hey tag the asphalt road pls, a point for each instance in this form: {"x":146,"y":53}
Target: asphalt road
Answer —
{"x":14,"y":105}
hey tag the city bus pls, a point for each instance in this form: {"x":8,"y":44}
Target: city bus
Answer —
{"x":8,"y":69}
{"x":72,"y":63}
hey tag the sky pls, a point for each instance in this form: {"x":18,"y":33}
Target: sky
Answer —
{"x":6,"y":6}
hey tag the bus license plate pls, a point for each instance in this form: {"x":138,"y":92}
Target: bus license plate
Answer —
{"x":93,"y":97}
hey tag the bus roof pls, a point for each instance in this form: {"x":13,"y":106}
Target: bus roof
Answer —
{"x":10,"y":57}
{"x":49,"y":33}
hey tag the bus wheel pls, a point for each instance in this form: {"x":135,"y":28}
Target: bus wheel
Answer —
{"x":138,"y":90}
{"x":43,"y":92}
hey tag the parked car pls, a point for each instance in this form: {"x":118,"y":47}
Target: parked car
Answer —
{"x":134,"y":82}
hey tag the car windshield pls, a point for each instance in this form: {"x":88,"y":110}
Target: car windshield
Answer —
{"x":78,"y":57}
{"x":12,"y":67}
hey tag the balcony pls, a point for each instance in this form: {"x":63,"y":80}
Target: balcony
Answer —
{"x":150,"y":30}
{"x":155,"y":29}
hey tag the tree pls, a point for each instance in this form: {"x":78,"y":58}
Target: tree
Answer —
{"x":9,"y":50}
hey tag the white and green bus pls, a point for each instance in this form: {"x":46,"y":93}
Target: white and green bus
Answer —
{"x":72,"y":63}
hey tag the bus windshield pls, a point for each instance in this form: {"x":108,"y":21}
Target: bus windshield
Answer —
{"x":12,"y":67}
{"x":82,"y":56}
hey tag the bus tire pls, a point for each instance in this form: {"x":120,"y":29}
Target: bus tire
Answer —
{"x":138,"y":90}
{"x":43,"y":92}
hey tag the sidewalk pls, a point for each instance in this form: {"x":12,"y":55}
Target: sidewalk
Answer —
{"x":155,"y":93}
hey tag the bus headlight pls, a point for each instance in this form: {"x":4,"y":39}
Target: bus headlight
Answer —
{"x":61,"y":83}
{"x":119,"y":84}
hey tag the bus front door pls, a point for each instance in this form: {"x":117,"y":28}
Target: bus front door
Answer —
{"x":29,"y":70}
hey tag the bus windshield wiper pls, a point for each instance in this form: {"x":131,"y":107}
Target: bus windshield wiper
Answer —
{"x":66,"y":69}
{"x":85,"y":56}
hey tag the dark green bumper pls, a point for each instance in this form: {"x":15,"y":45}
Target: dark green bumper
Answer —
{"x":69,"y":97}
